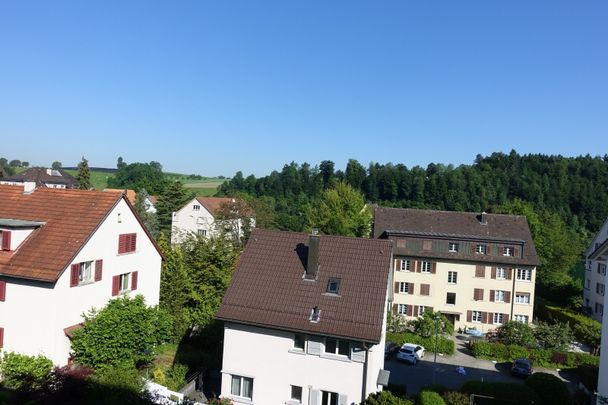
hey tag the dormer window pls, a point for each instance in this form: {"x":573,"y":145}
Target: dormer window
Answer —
{"x":480,"y":249}
{"x":196,"y":207}
{"x":333,"y":286}
{"x":507,"y":251}
{"x":315,"y":315}
{"x":453,"y":247}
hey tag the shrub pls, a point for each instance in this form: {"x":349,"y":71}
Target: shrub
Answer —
{"x":455,"y":398}
{"x":430,"y":398}
{"x":515,"y":393}
{"x":549,"y":388}
{"x":119,"y":377}
{"x":398,"y":390}
{"x":444,"y":345}
{"x":385,"y":398}
{"x":25,"y":373}
{"x":586,"y":329}
{"x":516,"y":333}
{"x":176,"y":376}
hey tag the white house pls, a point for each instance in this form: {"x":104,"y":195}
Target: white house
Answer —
{"x":595,"y":275}
{"x":304,"y":320}
{"x":198,"y":217}
{"x":42,"y":177}
{"x":63,"y":253}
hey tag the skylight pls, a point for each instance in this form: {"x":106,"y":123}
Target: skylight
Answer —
{"x":333,"y":286}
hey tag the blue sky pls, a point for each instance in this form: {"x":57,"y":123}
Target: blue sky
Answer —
{"x":215,"y":87}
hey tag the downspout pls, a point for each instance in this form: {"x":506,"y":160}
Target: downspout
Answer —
{"x":514,"y":270}
{"x":364,"y":385}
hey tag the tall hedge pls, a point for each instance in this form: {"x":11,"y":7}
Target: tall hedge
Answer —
{"x":430,"y":398}
{"x":444,"y":345}
{"x":25,"y":373}
{"x":549,"y":388}
{"x":502,"y":392}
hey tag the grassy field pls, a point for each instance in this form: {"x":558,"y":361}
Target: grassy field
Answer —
{"x":98,"y":179}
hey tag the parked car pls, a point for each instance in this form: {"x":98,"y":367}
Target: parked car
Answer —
{"x":410,"y":352}
{"x":389,"y":350}
{"x":522,"y":368}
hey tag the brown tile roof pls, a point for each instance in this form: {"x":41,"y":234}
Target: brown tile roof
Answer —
{"x":131,"y":194}
{"x":69,"y":217}
{"x":268,"y":290}
{"x":41,"y":176}
{"x":457,"y":226}
{"x":213,"y":204}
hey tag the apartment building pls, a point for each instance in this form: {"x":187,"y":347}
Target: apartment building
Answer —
{"x":598,"y":254}
{"x":477,"y":269}
{"x":595,"y":274}
{"x":305,"y":319}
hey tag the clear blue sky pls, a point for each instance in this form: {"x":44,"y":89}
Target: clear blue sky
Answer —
{"x":212,"y":87}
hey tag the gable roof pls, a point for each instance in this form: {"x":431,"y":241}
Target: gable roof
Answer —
{"x":41,"y":176}
{"x":131,"y":194}
{"x":457,"y":226}
{"x":268,"y":288}
{"x":69,"y":218}
{"x":213,"y":204}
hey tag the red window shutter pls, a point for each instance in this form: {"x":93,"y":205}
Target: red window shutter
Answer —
{"x":98,"y":269}
{"x":469,"y":316}
{"x":395,"y":309}
{"x":410,"y":310}
{"x":509,"y":271}
{"x":74,"y":275}
{"x":115,"y":285}
{"x":397,"y":263}
{"x":411,"y":288}
{"x":2,"y":290}
{"x":507,"y":296}
{"x":505,"y":318}
{"x":415,"y":310}
{"x":122,"y":243}
{"x":433,"y":267}
{"x":6,"y":240}
{"x":492,"y":294}
{"x":1,"y":337}
{"x":133,"y":242}
{"x":489,"y":317}
{"x":416,"y":266}
{"x":494,"y":273}
{"x":396,"y":287}
{"x":134,"y":281}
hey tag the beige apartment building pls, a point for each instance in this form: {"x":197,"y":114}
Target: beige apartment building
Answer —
{"x":477,"y":269}
{"x":595,"y":274}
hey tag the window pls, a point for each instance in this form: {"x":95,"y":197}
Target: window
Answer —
{"x":402,"y":309}
{"x":501,"y":273}
{"x":507,"y":251}
{"x":480,"y":249}
{"x":124,"y":282}
{"x":296,"y":393}
{"x":335,"y":346}
{"x":315,"y":315}
{"x":404,"y":288}
{"x":478,"y":294}
{"x":201,"y":232}
{"x":127,"y":242}
{"x":404,"y":265}
{"x":521,"y":318}
{"x":476,"y":316}
{"x":425,"y":289}
{"x":499,"y":296}
{"x":299,"y":342}
{"x":426,"y":267}
{"x":242,"y":387}
{"x":601,"y":269}
{"x":599,"y":308}
{"x":523,"y":274}
{"x":453,"y":247}
{"x":422,"y":309}
{"x":452,"y":277}
{"x":84,"y":272}
{"x":329,"y":398}
{"x":588,"y":284}
{"x":196,"y":207}
{"x":450,"y":299}
{"x":333,"y":286}
{"x":599,"y":288}
{"x":498,"y":318}
{"x":427,"y":245}
{"x":522,"y":298}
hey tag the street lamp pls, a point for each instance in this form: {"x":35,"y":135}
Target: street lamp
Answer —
{"x":435,"y":357}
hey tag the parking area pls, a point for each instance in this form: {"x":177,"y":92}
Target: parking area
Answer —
{"x":446,"y":370}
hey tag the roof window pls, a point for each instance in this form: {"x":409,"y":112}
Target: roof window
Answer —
{"x":333,"y":286}
{"x":315,"y":315}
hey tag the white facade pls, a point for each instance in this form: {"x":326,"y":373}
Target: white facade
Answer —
{"x":595,"y":277}
{"x":35,"y":314}
{"x":277,"y":368}
{"x":192,"y":219}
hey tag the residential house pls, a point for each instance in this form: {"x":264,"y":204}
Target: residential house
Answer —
{"x":595,"y":275}
{"x":42,"y":177}
{"x":199,"y":217}
{"x":598,"y":254}
{"x":304,"y":319}
{"x":62,"y":253}
{"x":477,"y":269}
{"x":132,"y":197}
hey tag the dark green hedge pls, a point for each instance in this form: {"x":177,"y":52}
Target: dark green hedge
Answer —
{"x":444,"y":345}
{"x":549,"y":388}
{"x":507,"y":393}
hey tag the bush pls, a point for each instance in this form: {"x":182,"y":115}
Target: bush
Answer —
{"x":121,"y":376}
{"x":430,"y":398}
{"x":25,"y":373}
{"x":586,"y":329}
{"x":398,"y":390}
{"x":385,"y":398}
{"x":549,"y":388}
{"x":444,"y":345}
{"x":514,"y":393}
{"x":455,"y":398}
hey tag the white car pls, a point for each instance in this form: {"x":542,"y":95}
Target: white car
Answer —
{"x":410,"y":352}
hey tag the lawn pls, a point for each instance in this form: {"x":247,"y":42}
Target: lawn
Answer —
{"x":98,"y":179}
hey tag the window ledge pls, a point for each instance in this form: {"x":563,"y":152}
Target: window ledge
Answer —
{"x":126,"y":253}
{"x":241,"y":400}
{"x":292,"y":402}
{"x":86,"y":283}
{"x":295,"y":351}
{"x":338,"y":357}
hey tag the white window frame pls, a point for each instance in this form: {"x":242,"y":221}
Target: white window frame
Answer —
{"x":402,"y":309}
{"x":196,"y":207}
{"x":508,"y":251}
{"x":422,"y":309}
{"x":453,"y":247}
{"x":124,"y":284}
{"x":522,"y":298}
{"x":201,"y":232}
{"x":600,"y":289}
{"x":338,"y":347}
{"x":480,"y":249}
{"x":85,"y":272}
{"x":497,"y":318}
{"x":295,"y":339}
{"x":523,"y":274}
{"x":405,"y":265}
{"x":447,"y":298}
{"x":425,"y":267}
{"x":521,"y":318}
{"x":404,"y":287}
{"x":329,"y":400}
{"x":499,"y":296}
{"x":295,"y":398}
{"x":452,"y":277}
{"x":241,"y":386}
{"x":501,"y":273}
{"x":599,"y":308}
{"x":476,"y":316}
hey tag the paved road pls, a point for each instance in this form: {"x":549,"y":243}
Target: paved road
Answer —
{"x":446,"y":374}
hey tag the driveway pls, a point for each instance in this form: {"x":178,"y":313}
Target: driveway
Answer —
{"x":445,"y":373}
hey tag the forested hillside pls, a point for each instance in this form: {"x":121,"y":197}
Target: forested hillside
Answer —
{"x":576,"y":189}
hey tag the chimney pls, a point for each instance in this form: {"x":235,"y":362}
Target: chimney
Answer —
{"x":29,"y":187}
{"x":484,"y":218}
{"x":312,"y":264}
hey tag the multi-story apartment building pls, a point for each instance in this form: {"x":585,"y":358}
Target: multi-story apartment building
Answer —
{"x":598,"y":254}
{"x":595,"y":275}
{"x":477,"y":269}
{"x":305,"y":318}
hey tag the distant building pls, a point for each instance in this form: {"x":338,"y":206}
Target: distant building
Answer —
{"x":63,"y":252}
{"x":42,"y":177}
{"x":132,"y":197}
{"x":305,"y":319}
{"x":479,"y":270}
{"x":595,"y":275}
{"x":598,"y":254}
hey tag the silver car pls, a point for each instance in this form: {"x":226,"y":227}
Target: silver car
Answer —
{"x":410,"y":352}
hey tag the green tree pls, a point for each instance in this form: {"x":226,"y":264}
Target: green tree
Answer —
{"x":431,"y":322}
{"x":236,"y":219}
{"x":56,"y":165}
{"x":516,"y":333}
{"x":84,"y":175}
{"x":124,"y":330}
{"x":25,"y":373}
{"x":341,"y":211}
{"x":171,"y":199}
{"x":385,"y":398}
{"x":120,"y":163}
{"x":136,"y":176}
{"x":355,"y":174}
{"x":149,"y":219}
{"x":15,"y":163}
{"x":25,"y":164}
{"x":557,"y":336}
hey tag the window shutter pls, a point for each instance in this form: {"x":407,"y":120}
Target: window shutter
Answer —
{"x":122,"y":243}
{"x":492,"y":295}
{"x":357,"y":353}
{"x":410,"y":310}
{"x":509,"y":271}
{"x":478,"y":294}
{"x":74,"y":275}
{"x":425,"y":289}
{"x":493,"y":273}
{"x":516,"y":251}
{"x":489,"y":250}
{"x":2,"y":290}
{"x":314,"y":397}
{"x":397,"y":265}
{"x":433,"y":267}
{"x":314,"y":345}
{"x":98,"y":269}
{"x":480,"y":271}
{"x":343,"y":400}
{"x":416,"y":266}
{"x":395,"y":309}
{"x":115,"y":285}
{"x":396,"y":287}
{"x":414,"y":310}
{"x":505,"y":318}
{"x":411,"y":288}
{"x":134,"y":281}
{"x":507,"y":296}
{"x":1,"y":337}
{"x":489,"y":318}
{"x":469,"y":316}
{"x":473,"y":248}
{"x":133,"y":242}
{"x":6,"y":240}
{"x":430,"y":309}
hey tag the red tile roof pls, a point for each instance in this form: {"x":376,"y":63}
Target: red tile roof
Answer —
{"x":213,"y":204}
{"x":70,"y":217}
{"x":268,"y":290}
{"x":131,"y":194}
